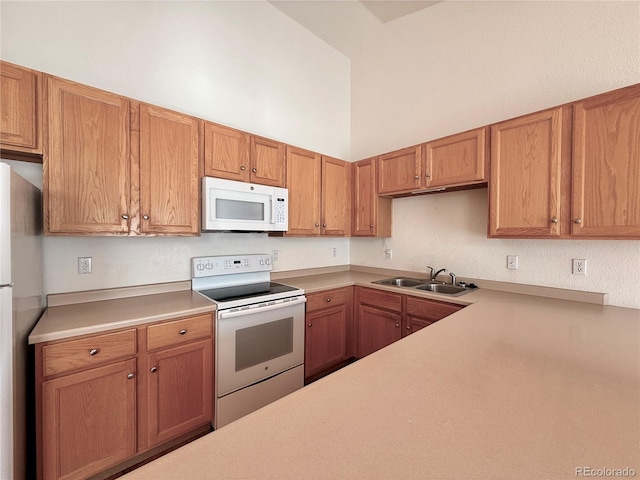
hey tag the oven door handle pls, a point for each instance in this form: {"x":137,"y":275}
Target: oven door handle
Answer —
{"x":266,"y":308}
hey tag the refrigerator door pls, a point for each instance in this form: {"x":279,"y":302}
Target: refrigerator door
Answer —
{"x":5,"y":225}
{"x":6,"y":383}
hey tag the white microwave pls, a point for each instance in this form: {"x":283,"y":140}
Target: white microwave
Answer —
{"x":228,"y":205}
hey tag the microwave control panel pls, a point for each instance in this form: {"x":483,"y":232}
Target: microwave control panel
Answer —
{"x":281,"y":210}
{"x":226,"y":265}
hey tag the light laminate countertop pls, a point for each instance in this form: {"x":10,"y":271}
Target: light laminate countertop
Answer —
{"x":530,"y":389}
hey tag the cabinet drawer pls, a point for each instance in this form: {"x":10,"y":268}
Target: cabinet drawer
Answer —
{"x":380,"y":298}
{"x":430,"y":309}
{"x":87,"y":352}
{"x":328,"y":298}
{"x":179,"y":331}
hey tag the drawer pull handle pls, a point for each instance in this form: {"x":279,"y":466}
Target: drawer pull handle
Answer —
{"x":182,"y":332}
{"x":154,"y":369}
{"x":93,"y":351}
{"x":130,"y":376}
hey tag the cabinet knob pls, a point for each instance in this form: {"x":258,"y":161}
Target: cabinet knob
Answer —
{"x":145,"y":217}
{"x":371,"y":225}
{"x":324,"y":224}
{"x":309,"y":324}
{"x":154,"y":369}
{"x":417,"y":177}
{"x":317,"y":224}
{"x":254,"y":170}
{"x":125,"y":216}
{"x":182,"y":332}
{"x":93,"y":351}
{"x":428,"y":175}
{"x":397,"y":325}
{"x":130,"y":376}
{"x":328,"y":300}
{"x":578,"y":221}
{"x":242,"y":167}
{"x":554,"y":219}
{"x":408,"y":327}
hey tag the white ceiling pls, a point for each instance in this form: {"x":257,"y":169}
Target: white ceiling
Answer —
{"x":345,"y":24}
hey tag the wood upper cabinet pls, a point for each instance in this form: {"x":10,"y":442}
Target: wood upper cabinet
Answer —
{"x":21,"y":117}
{"x":86,"y":168}
{"x":371,"y":214}
{"x":237,"y":155}
{"x":606,"y":166}
{"x":524,"y":191}
{"x":457,"y":160}
{"x":400,"y":171}
{"x":319,"y":194}
{"x":169,"y":162}
{"x":327,"y":329}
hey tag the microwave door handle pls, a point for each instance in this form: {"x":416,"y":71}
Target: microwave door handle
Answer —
{"x":251,"y":311}
{"x":273,"y":209}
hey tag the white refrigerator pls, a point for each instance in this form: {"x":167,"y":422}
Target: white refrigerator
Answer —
{"x":21,"y":304}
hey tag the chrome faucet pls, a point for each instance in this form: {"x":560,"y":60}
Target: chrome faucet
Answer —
{"x":434,"y":275}
{"x":453,"y":278}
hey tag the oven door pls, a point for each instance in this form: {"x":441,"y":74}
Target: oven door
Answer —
{"x":258,"y":343}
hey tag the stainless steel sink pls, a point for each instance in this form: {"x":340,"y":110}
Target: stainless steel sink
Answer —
{"x":401,"y":282}
{"x":427,"y":285}
{"x":442,"y":288}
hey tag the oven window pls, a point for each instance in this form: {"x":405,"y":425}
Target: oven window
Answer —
{"x":261,"y":343}
{"x":239,"y":210}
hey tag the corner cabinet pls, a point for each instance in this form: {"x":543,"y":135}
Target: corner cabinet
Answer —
{"x":116,"y":167}
{"x":378,"y":319}
{"x":106,"y":398}
{"x":319,"y":194}
{"x":371,"y":214}
{"x":327,"y":330}
{"x":21,"y":118}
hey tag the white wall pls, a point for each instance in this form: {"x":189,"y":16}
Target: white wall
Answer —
{"x":460,"y":65}
{"x":243,"y":64}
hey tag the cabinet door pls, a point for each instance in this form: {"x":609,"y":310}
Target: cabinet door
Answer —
{"x":268,"y":164}
{"x":371,"y":215}
{"x":606,"y":165}
{"x":179,"y":390}
{"x":88,"y":421}
{"x":376,"y":329}
{"x":226,"y":153}
{"x":524,"y":192}
{"x":325,"y":339}
{"x":21,"y":119}
{"x":336,"y":197}
{"x":400,"y":171}
{"x":457,"y":160}
{"x":86,"y":170}
{"x":168,"y":172}
{"x":413,"y":324}
{"x":303,"y":182}
{"x":422,"y":312}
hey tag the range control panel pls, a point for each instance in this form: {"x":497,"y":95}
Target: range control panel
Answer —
{"x":226,"y":265}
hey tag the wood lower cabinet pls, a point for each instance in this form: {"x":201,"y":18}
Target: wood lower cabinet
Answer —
{"x":327,"y":330}
{"x":606,"y":166}
{"x":319,"y":194}
{"x":103,"y":399}
{"x":422,"y":312}
{"x":371,"y":214}
{"x":378,"y":319}
{"x":21,"y":117}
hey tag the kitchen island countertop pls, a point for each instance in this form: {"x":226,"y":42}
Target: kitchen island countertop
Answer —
{"x":535,"y":389}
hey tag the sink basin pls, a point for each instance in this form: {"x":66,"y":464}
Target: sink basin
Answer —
{"x":441,"y":288}
{"x":401,"y":282}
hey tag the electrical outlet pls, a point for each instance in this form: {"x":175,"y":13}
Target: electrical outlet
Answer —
{"x":275,"y":255}
{"x":84,"y":265}
{"x":388,"y":253}
{"x":512,"y":262}
{"x":579,"y":266}
{"x":334,"y":251}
